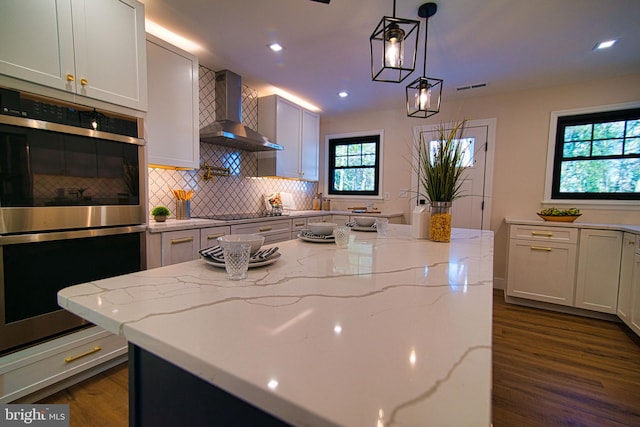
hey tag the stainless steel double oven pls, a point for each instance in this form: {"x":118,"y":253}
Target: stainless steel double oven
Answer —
{"x":72,"y":210}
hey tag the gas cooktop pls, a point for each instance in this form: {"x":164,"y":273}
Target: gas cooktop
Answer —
{"x":233,"y":216}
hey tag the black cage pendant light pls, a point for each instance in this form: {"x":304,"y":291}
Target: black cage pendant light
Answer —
{"x":424,"y":94}
{"x":393,"y":48}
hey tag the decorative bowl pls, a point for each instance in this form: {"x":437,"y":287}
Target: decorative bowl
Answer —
{"x":255,"y":240}
{"x":364,"y":221}
{"x":321,"y":228}
{"x":559,"y":218}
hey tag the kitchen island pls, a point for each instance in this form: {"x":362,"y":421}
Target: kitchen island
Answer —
{"x":387,"y":332}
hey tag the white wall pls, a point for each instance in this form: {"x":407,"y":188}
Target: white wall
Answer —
{"x":520,"y":153}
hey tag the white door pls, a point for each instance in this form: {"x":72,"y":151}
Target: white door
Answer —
{"x":474,"y":209}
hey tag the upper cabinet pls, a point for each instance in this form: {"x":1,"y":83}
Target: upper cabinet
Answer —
{"x":172,"y":120}
{"x":83,"y":47}
{"x":295,"y":128}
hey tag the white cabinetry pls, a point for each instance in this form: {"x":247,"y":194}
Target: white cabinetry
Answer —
{"x":542,"y":263}
{"x":45,"y":368}
{"x":297,"y":130}
{"x":635,"y":291}
{"x":172,"y":120}
{"x":297,"y":225}
{"x":626,"y":277}
{"x":598,"y":270}
{"x":273,"y":231}
{"x":85,"y":47}
{"x":209,"y":235}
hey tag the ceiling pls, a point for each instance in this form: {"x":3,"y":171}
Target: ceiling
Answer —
{"x":507,"y":44}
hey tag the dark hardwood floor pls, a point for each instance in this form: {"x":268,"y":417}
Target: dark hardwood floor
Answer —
{"x":549,"y":369}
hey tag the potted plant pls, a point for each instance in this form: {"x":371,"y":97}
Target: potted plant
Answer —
{"x":440,"y":171}
{"x":160,"y":213}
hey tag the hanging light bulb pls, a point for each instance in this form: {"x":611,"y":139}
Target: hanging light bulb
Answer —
{"x":394,"y":53}
{"x":424,"y":94}
{"x":393,"y":48}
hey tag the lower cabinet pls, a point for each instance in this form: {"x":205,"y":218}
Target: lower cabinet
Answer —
{"x":209,"y":235}
{"x":586,"y":268}
{"x":273,"y":231}
{"x":542,"y":263}
{"x":634,"y":322}
{"x":542,"y":270}
{"x":626,"y":277}
{"x":31,"y":374}
{"x":598,"y":270}
{"x":297,"y":225}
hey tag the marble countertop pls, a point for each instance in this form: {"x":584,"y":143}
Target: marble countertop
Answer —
{"x":390,"y":331}
{"x":186,"y":224}
{"x":576,"y":224}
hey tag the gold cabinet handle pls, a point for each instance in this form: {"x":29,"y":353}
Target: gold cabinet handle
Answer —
{"x":539,"y":248}
{"x":79,"y":356}
{"x":70,"y":77}
{"x":299,"y":224}
{"x":183,"y":240}
{"x":542,"y":233}
{"x":214,"y":236}
{"x":84,"y":82}
{"x":265,"y":228}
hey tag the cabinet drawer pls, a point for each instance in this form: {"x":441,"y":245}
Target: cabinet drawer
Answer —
{"x":35,"y":368}
{"x":298,"y":224}
{"x":550,"y":234}
{"x":264,"y":228}
{"x":209,"y":236}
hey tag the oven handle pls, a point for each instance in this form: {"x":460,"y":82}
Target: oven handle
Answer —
{"x":74,"y":234}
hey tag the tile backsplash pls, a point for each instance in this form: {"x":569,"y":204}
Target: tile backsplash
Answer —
{"x":239,"y":192}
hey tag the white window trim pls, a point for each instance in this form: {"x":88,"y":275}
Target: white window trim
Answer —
{"x":380,"y":133}
{"x":551,"y":147}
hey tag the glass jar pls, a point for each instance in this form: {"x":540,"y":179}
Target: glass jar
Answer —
{"x":440,"y":222}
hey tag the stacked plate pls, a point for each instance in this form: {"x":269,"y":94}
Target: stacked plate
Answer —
{"x":354,"y":226}
{"x":310,"y":236}
{"x":214,"y":256}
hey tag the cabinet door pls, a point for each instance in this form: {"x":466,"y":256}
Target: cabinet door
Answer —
{"x":288,"y":135}
{"x":172,"y":126}
{"x":542,"y":271}
{"x":110,"y":52}
{"x":598,"y":270}
{"x":180,"y":246}
{"x":626,"y":277}
{"x":37,"y":41}
{"x":310,"y":143}
{"x":209,"y":235}
{"x":635,"y":295}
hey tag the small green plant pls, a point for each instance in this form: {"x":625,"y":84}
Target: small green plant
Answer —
{"x":560,"y":212}
{"x":160,"y":211}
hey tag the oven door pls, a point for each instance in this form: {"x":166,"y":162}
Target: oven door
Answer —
{"x":34,"y":267}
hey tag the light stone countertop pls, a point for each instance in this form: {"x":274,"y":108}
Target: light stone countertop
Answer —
{"x":576,"y":224}
{"x":186,"y":224}
{"x":390,"y":331}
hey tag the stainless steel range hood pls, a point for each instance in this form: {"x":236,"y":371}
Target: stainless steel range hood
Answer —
{"x":228,"y":129}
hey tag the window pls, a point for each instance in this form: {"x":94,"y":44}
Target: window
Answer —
{"x":597,"y":156}
{"x":354,"y":165}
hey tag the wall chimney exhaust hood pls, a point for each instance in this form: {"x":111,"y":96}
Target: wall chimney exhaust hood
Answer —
{"x":228,"y":129}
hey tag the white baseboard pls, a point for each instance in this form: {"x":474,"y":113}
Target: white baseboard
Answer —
{"x":499,"y":283}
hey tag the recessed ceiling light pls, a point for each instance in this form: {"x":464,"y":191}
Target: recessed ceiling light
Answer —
{"x":343,"y":94}
{"x":276,"y":47}
{"x":605,"y":44}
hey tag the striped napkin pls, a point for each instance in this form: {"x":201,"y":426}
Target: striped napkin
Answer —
{"x":311,"y":235}
{"x":216,"y":254}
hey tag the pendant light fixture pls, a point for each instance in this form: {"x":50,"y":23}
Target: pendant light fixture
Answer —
{"x":424,"y":94}
{"x":393,"y":48}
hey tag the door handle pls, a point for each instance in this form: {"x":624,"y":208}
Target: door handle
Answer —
{"x":265,"y":228}
{"x":79,"y":356}
{"x":214,"y":236}
{"x":542,"y":233}
{"x":540,"y":248}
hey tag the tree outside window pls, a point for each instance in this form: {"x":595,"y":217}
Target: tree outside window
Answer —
{"x":354,"y":166}
{"x":597,"y":156}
